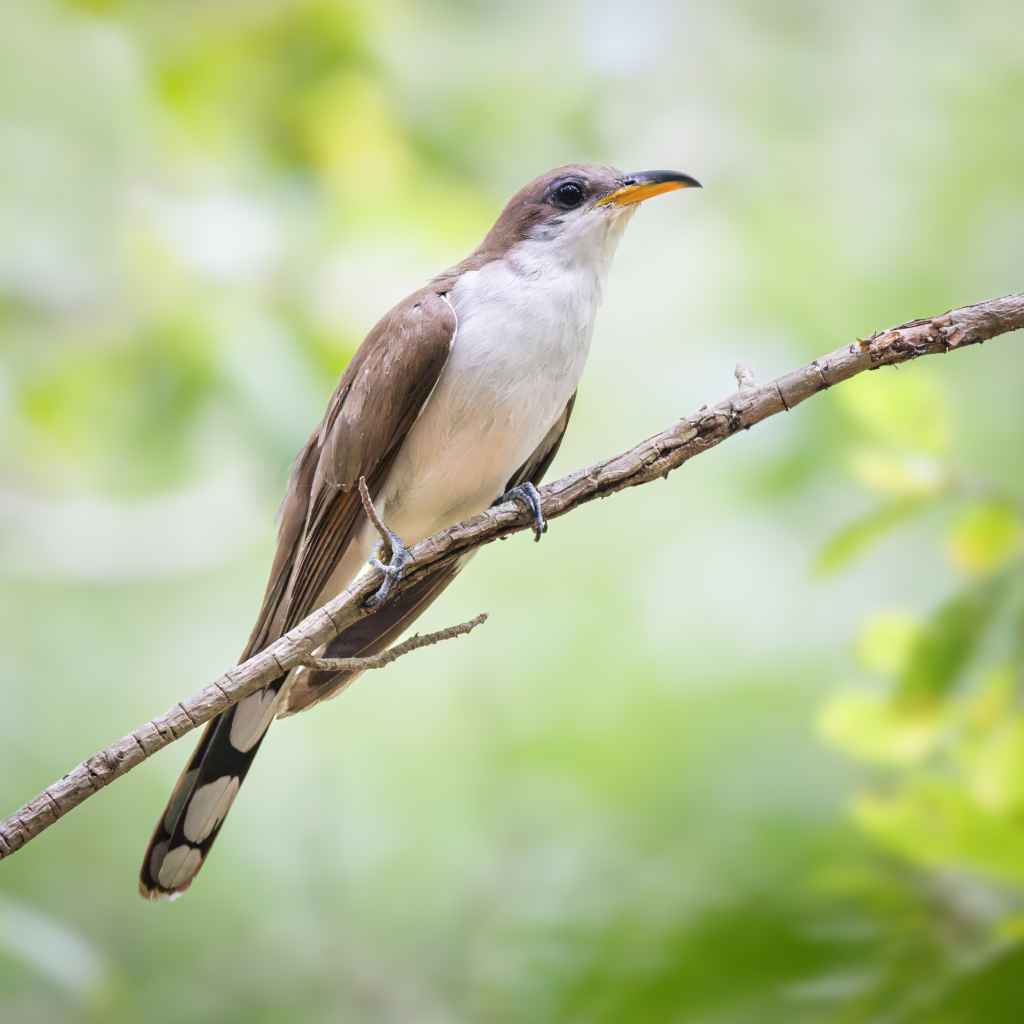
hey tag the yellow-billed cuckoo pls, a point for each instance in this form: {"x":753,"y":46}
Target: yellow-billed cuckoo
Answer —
{"x":458,"y":398}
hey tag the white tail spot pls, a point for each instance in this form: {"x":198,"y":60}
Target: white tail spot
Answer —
{"x":207,"y":808}
{"x":251,"y":719}
{"x":179,"y":866}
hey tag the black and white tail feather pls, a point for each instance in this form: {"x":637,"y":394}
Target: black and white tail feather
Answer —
{"x":204,"y":794}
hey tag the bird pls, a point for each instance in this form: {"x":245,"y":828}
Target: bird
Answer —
{"x":457,"y":399}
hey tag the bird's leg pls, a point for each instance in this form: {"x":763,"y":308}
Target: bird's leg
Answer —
{"x":389,"y":541}
{"x":392,"y":570}
{"x":528,"y":493}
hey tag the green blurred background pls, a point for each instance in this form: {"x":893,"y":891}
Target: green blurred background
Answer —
{"x":740,"y":748}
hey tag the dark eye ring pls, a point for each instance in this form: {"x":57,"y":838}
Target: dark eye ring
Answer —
{"x":568,"y":195}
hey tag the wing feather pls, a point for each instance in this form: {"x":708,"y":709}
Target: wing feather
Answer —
{"x":376,"y":402}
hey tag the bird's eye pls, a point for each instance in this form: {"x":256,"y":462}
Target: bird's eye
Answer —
{"x":568,"y":195}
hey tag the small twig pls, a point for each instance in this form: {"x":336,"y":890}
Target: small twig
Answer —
{"x":744,"y":376}
{"x":374,"y":517}
{"x":393,"y":653}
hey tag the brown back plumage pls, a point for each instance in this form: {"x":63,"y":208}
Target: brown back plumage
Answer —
{"x":360,"y":434}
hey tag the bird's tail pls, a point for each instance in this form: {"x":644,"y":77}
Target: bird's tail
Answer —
{"x":204,"y":793}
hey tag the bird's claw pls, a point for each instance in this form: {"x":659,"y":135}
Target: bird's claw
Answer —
{"x":528,"y":493}
{"x":392,"y":570}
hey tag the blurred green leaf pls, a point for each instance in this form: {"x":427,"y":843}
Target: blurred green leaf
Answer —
{"x":905,"y":410}
{"x":947,"y":642}
{"x":989,"y":994}
{"x":885,"y":641}
{"x":127,"y":413}
{"x":884,"y":471}
{"x":873,"y":730}
{"x":984,"y":537}
{"x":47,"y":945}
{"x":935,"y":822}
{"x":735,"y":962}
{"x":993,"y":766}
{"x":855,"y":539}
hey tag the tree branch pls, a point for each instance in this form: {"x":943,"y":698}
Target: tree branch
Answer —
{"x":656,"y":457}
{"x":414,"y":643}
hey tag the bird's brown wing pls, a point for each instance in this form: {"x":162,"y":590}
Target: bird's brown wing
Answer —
{"x":374,"y":633}
{"x":377,"y":401}
{"x":375,"y":404}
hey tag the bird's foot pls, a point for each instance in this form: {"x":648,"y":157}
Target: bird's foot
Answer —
{"x":528,"y":494}
{"x":392,"y":570}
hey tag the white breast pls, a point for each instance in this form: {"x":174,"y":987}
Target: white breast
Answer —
{"x":524,"y":329}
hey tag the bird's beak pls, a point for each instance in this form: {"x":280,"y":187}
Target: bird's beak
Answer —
{"x":639,"y":187}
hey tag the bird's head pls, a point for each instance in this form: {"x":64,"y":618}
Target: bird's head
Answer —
{"x":577,"y":189}
{"x":577,"y":211}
